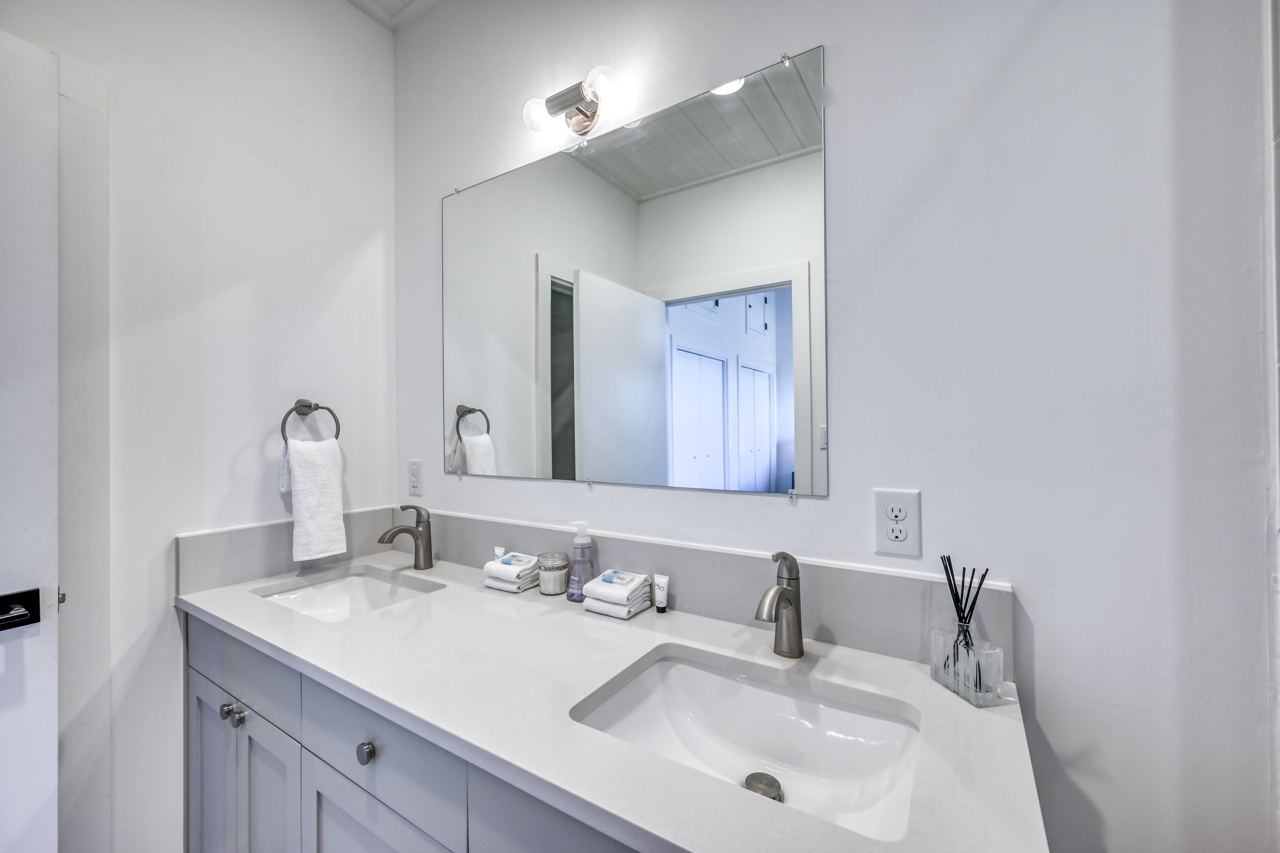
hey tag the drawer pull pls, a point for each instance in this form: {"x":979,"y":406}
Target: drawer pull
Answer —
{"x":365,"y":753}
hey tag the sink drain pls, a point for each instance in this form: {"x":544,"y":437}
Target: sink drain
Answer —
{"x":764,"y":785}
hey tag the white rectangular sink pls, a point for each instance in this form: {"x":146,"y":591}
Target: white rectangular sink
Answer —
{"x":841,"y":754}
{"x":340,"y":594}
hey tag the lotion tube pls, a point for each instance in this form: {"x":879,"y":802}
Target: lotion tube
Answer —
{"x":660,"y":592}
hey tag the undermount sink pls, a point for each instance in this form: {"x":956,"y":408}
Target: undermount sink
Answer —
{"x":839,"y":753}
{"x":340,"y":594}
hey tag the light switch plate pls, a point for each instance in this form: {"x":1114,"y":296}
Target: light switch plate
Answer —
{"x":897,"y":522}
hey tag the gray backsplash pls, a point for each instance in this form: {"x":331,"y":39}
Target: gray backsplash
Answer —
{"x":887,"y":614}
{"x":215,"y":558}
{"x":883,"y":613}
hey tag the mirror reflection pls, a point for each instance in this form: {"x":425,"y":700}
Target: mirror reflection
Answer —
{"x":648,"y":307}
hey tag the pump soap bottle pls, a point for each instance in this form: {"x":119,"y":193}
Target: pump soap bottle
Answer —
{"x":584,"y":563}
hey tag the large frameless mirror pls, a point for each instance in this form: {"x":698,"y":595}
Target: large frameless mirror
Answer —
{"x":648,"y":306}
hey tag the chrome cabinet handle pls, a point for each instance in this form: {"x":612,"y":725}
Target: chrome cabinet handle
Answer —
{"x":226,"y":709}
{"x":16,"y":614}
{"x":237,"y":719}
{"x":366,"y":752}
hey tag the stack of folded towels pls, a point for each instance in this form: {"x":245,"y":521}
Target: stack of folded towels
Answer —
{"x":511,"y":573}
{"x":618,"y":594}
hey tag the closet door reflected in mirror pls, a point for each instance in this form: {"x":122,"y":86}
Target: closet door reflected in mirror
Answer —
{"x":648,"y":306}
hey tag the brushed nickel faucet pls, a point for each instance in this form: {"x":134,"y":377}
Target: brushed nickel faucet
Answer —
{"x":781,"y":605}
{"x":421,"y":533}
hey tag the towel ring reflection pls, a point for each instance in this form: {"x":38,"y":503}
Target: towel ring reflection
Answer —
{"x":302,"y":409}
{"x":463,"y":411}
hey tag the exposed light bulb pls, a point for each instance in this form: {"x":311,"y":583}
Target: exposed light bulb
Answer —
{"x":536,"y":116}
{"x":602,"y":83}
{"x":730,"y":87}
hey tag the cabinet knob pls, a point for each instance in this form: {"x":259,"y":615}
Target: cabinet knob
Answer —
{"x":365,"y":753}
{"x":237,"y":719}
{"x":225,"y":709}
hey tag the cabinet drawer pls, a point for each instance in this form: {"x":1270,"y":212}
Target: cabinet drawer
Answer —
{"x":504,"y":819}
{"x":264,"y":684}
{"x":422,"y":782}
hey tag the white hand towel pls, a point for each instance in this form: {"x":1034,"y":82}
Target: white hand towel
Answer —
{"x":286,"y":481}
{"x":512,"y":567}
{"x":479,"y":450}
{"x":617,"y":587}
{"x":512,"y":586}
{"x":316,"y":474}
{"x":617,"y":611}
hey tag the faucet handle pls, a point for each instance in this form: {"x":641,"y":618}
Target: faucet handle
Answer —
{"x":422,"y":516}
{"x":788,"y":568}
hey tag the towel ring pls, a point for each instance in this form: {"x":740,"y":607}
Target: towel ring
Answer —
{"x":463,"y":411}
{"x":303,"y":408}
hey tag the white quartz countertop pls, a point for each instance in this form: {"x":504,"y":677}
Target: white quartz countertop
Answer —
{"x":491,"y":677}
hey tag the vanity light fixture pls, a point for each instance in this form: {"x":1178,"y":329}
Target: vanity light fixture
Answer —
{"x":579,"y":104}
{"x":730,"y":87}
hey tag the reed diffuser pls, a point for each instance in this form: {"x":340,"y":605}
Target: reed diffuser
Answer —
{"x":974,"y":669}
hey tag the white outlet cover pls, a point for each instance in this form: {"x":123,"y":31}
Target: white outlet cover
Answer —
{"x":415,"y":477}
{"x":909,"y":500}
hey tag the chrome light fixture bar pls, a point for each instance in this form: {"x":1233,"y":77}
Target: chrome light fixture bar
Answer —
{"x":579,"y":103}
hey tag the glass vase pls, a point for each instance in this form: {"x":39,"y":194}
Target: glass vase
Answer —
{"x":974,"y":669}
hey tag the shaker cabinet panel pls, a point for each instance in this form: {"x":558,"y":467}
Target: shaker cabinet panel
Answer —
{"x":339,"y":816}
{"x":211,"y":768}
{"x":269,"y":773}
{"x":504,"y":819}
{"x":421,"y":781}
{"x":266,"y":685}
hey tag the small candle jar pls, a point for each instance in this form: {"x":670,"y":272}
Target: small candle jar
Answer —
{"x":553,"y":573}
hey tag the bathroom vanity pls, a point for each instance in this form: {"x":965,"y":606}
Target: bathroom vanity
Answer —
{"x":452,"y":717}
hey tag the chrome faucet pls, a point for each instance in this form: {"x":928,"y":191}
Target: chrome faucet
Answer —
{"x":421,"y":533}
{"x":781,"y":605}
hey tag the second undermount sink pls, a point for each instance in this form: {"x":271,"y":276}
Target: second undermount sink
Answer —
{"x":340,"y":594}
{"x":838,"y":753}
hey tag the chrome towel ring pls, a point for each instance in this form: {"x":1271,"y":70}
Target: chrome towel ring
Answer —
{"x":304,"y":408}
{"x":463,"y":411}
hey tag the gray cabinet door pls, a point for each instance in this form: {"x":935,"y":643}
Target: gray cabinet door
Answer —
{"x":211,"y":768}
{"x":503,"y":819}
{"x":339,"y":815}
{"x":269,"y":787}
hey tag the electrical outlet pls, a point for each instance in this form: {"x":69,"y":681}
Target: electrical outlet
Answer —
{"x":897,"y":522}
{"x":415,"y":477}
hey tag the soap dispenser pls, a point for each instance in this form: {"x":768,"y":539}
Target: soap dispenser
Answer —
{"x":584,"y":563}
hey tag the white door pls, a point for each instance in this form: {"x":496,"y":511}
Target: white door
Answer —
{"x":698,"y":420}
{"x":755,"y":431}
{"x":29,"y":449}
{"x":621,"y":340}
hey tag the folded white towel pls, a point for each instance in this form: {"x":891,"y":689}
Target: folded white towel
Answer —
{"x":512,"y":567}
{"x":617,"y":587}
{"x":479,"y":450}
{"x":286,"y":481}
{"x":512,"y":586}
{"x":316,"y":480}
{"x":617,"y":611}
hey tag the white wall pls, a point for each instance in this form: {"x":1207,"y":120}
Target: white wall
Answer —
{"x":555,"y":208}
{"x":251,"y":263}
{"x":763,"y":218}
{"x":1046,"y":268}
{"x":29,"y":450}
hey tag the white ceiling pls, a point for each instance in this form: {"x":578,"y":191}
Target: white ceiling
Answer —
{"x":392,"y":13}
{"x":775,"y":116}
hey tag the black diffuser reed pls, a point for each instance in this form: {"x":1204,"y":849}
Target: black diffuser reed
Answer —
{"x":964,"y":596}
